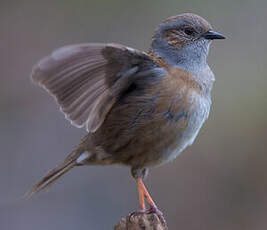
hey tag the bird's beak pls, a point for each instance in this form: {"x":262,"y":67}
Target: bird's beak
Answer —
{"x":211,"y":35}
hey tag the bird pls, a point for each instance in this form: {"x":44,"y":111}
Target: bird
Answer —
{"x":140,"y":109}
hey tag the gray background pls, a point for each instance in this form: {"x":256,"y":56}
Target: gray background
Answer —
{"x":218,"y":183}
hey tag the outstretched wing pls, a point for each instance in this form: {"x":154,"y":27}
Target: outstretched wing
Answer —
{"x":87,"y":79}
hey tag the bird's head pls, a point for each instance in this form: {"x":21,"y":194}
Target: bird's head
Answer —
{"x":184,"y":40}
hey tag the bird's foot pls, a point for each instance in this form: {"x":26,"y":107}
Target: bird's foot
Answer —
{"x":152,"y":209}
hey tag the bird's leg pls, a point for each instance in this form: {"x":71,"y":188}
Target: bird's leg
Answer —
{"x":141,"y":194}
{"x":138,"y":174}
{"x":153,"y":207}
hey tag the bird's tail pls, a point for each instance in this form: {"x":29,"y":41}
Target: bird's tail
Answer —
{"x":70,"y":162}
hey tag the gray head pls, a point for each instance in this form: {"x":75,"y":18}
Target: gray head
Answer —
{"x":184,"y":40}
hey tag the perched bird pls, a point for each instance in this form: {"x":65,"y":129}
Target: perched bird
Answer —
{"x":141,"y":109}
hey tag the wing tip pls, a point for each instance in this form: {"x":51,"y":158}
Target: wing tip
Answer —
{"x":38,"y":71}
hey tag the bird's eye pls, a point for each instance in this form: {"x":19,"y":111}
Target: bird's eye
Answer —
{"x":189,"y":31}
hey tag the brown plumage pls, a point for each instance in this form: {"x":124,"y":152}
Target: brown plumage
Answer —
{"x":140,"y":109}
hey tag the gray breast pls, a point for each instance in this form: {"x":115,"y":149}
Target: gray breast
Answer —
{"x":200,"y":107}
{"x":198,"y":117}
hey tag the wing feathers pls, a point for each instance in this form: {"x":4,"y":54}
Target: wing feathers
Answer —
{"x":87,"y":79}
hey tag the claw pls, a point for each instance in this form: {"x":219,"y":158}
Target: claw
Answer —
{"x":152,"y":209}
{"x":160,"y":215}
{"x":135,"y":213}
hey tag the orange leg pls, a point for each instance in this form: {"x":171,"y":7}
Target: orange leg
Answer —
{"x":142,"y":189}
{"x":141,"y":194}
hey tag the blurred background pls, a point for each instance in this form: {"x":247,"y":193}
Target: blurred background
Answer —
{"x":218,"y":183}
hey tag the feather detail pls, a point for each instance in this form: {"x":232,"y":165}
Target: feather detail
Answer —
{"x":74,"y":159}
{"x":84,"y":79}
{"x":51,"y":177}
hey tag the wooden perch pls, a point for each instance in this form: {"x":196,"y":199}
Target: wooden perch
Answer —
{"x":140,"y":222}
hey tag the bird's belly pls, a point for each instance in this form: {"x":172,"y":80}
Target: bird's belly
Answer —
{"x":175,"y":136}
{"x":181,"y":141}
{"x":151,"y":137}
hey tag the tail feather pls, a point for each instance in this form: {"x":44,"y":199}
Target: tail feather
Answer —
{"x":53,"y":175}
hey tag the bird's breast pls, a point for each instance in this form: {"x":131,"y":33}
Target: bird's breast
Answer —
{"x":180,"y":111}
